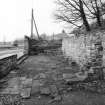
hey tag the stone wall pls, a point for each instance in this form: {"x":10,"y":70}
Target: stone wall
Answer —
{"x":74,"y":48}
{"x":7,"y":64}
{"x":81,"y":49}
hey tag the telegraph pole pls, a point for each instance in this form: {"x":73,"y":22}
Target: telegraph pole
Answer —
{"x":32,"y":24}
{"x":36,"y":28}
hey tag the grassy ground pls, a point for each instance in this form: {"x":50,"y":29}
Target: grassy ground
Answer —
{"x":42,"y":63}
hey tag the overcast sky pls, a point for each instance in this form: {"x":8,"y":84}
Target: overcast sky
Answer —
{"x":15,"y":16}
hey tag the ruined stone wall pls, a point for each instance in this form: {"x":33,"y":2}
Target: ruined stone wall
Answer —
{"x":74,"y":48}
{"x":80,"y":49}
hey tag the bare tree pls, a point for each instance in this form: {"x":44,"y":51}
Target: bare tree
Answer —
{"x":95,"y":9}
{"x":72,"y":12}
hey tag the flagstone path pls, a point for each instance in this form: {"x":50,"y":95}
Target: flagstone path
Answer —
{"x":42,"y":74}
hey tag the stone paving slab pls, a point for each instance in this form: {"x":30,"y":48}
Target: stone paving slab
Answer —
{"x":36,"y":86}
{"x":45,"y":91}
{"x":13,"y":82}
{"x":12,"y":87}
{"x":18,"y":85}
{"x":25,"y":92}
{"x":26,"y":83}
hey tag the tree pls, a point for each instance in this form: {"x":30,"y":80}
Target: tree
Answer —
{"x":15,"y":43}
{"x":96,"y":9}
{"x":72,"y":12}
{"x":44,"y":36}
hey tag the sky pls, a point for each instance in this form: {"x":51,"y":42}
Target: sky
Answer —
{"x":15,"y":17}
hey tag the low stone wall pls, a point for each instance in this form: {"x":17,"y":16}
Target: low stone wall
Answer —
{"x":7,"y":64}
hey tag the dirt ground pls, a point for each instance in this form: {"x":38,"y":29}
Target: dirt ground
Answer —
{"x":43,"y":63}
{"x":48,"y":63}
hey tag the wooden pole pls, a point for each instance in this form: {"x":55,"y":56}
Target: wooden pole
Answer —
{"x":36,"y":28}
{"x":32,"y":24}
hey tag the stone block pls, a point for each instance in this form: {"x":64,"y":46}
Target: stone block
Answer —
{"x":53,"y":89}
{"x":9,"y":90}
{"x":36,"y":86}
{"x":58,"y":98}
{"x":27,"y":83}
{"x":25,"y":92}
{"x":22,"y":78}
{"x":35,"y":90}
{"x":91,"y":70}
{"x":42,"y":75}
{"x":36,"y":83}
{"x":82,"y":76}
{"x":68,"y":76}
{"x":45,"y":91}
